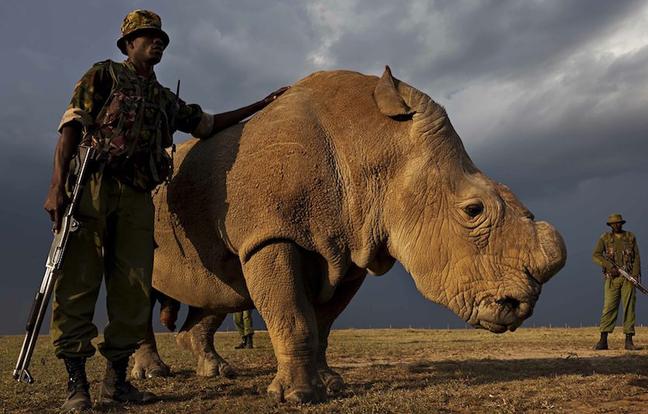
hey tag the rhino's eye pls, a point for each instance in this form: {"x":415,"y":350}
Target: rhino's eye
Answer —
{"x":474,"y":209}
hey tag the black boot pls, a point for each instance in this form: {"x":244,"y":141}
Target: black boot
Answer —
{"x":602,"y":343}
{"x":629,"y":345}
{"x":78,"y":399}
{"x":115,"y":388}
{"x":243,"y":343}
{"x":248,"y":341}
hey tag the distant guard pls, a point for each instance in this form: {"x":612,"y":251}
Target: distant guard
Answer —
{"x":243,"y":322}
{"x":614,"y":250}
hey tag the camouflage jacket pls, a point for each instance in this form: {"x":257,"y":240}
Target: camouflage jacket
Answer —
{"x":621,"y":249}
{"x":130,"y":120}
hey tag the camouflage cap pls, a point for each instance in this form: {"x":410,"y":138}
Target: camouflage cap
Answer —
{"x":615,"y":218}
{"x":140,"y":20}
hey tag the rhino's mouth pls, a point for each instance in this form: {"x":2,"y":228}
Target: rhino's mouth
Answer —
{"x":504,"y":313}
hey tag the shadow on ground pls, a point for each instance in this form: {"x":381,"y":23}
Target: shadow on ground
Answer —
{"x":490,"y":371}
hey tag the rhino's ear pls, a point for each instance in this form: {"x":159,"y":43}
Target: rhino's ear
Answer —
{"x":389,"y":100}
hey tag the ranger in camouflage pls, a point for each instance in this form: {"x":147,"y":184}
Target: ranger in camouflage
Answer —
{"x":243,"y":322}
{"x":121,"y":110}
{"x":617,"y":249}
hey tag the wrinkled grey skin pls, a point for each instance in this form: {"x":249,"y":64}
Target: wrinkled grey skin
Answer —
{"x":342,"y":175}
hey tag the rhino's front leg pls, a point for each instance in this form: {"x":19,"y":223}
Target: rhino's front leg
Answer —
{"x":326,"y":314}
{"x":290,"y":319}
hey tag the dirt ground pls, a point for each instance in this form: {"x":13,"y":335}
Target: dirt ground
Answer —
{"x":533,"y":370}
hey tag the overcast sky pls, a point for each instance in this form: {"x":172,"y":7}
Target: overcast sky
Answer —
{"x":549,"y":97}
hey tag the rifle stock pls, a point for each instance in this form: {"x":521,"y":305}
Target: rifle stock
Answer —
{"x":633,"y":280}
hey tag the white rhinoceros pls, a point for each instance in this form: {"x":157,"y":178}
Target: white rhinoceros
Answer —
{"x":342,"y":175}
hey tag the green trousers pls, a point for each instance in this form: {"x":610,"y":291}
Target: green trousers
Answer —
{"x":115,"y":242}
{"x":618,"y":289}
{"x":243,"y":322}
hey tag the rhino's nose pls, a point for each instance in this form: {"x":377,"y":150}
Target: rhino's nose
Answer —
{"x":524,"y":310}
{"x":521,"y":309}
{"x":553,"y":250}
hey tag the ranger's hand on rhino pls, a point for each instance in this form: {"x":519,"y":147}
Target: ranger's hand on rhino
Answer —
{"x":225,"y":120}
{"x":274,"y":95}
{"x":289,"y":212}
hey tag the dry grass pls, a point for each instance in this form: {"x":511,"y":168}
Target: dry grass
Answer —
{"x":387,"y":371}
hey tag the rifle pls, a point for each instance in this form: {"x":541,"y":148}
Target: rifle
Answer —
{"x":629,"y":277}
{"x":52,"y":266}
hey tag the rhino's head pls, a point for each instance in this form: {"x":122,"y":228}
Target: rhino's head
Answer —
{"x":468,"y":242}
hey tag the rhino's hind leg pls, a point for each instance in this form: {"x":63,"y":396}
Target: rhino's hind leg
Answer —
{"x":290,"y":319}
{"x":148,"y":363}
{"x":326,"y":314}
{"x":197,"y":336}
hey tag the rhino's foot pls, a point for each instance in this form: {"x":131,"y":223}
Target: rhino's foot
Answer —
{"x":149,"y":365}
{"x":210,"y":366}
{"x":286,"y":389}
{"x":332,"y":380}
